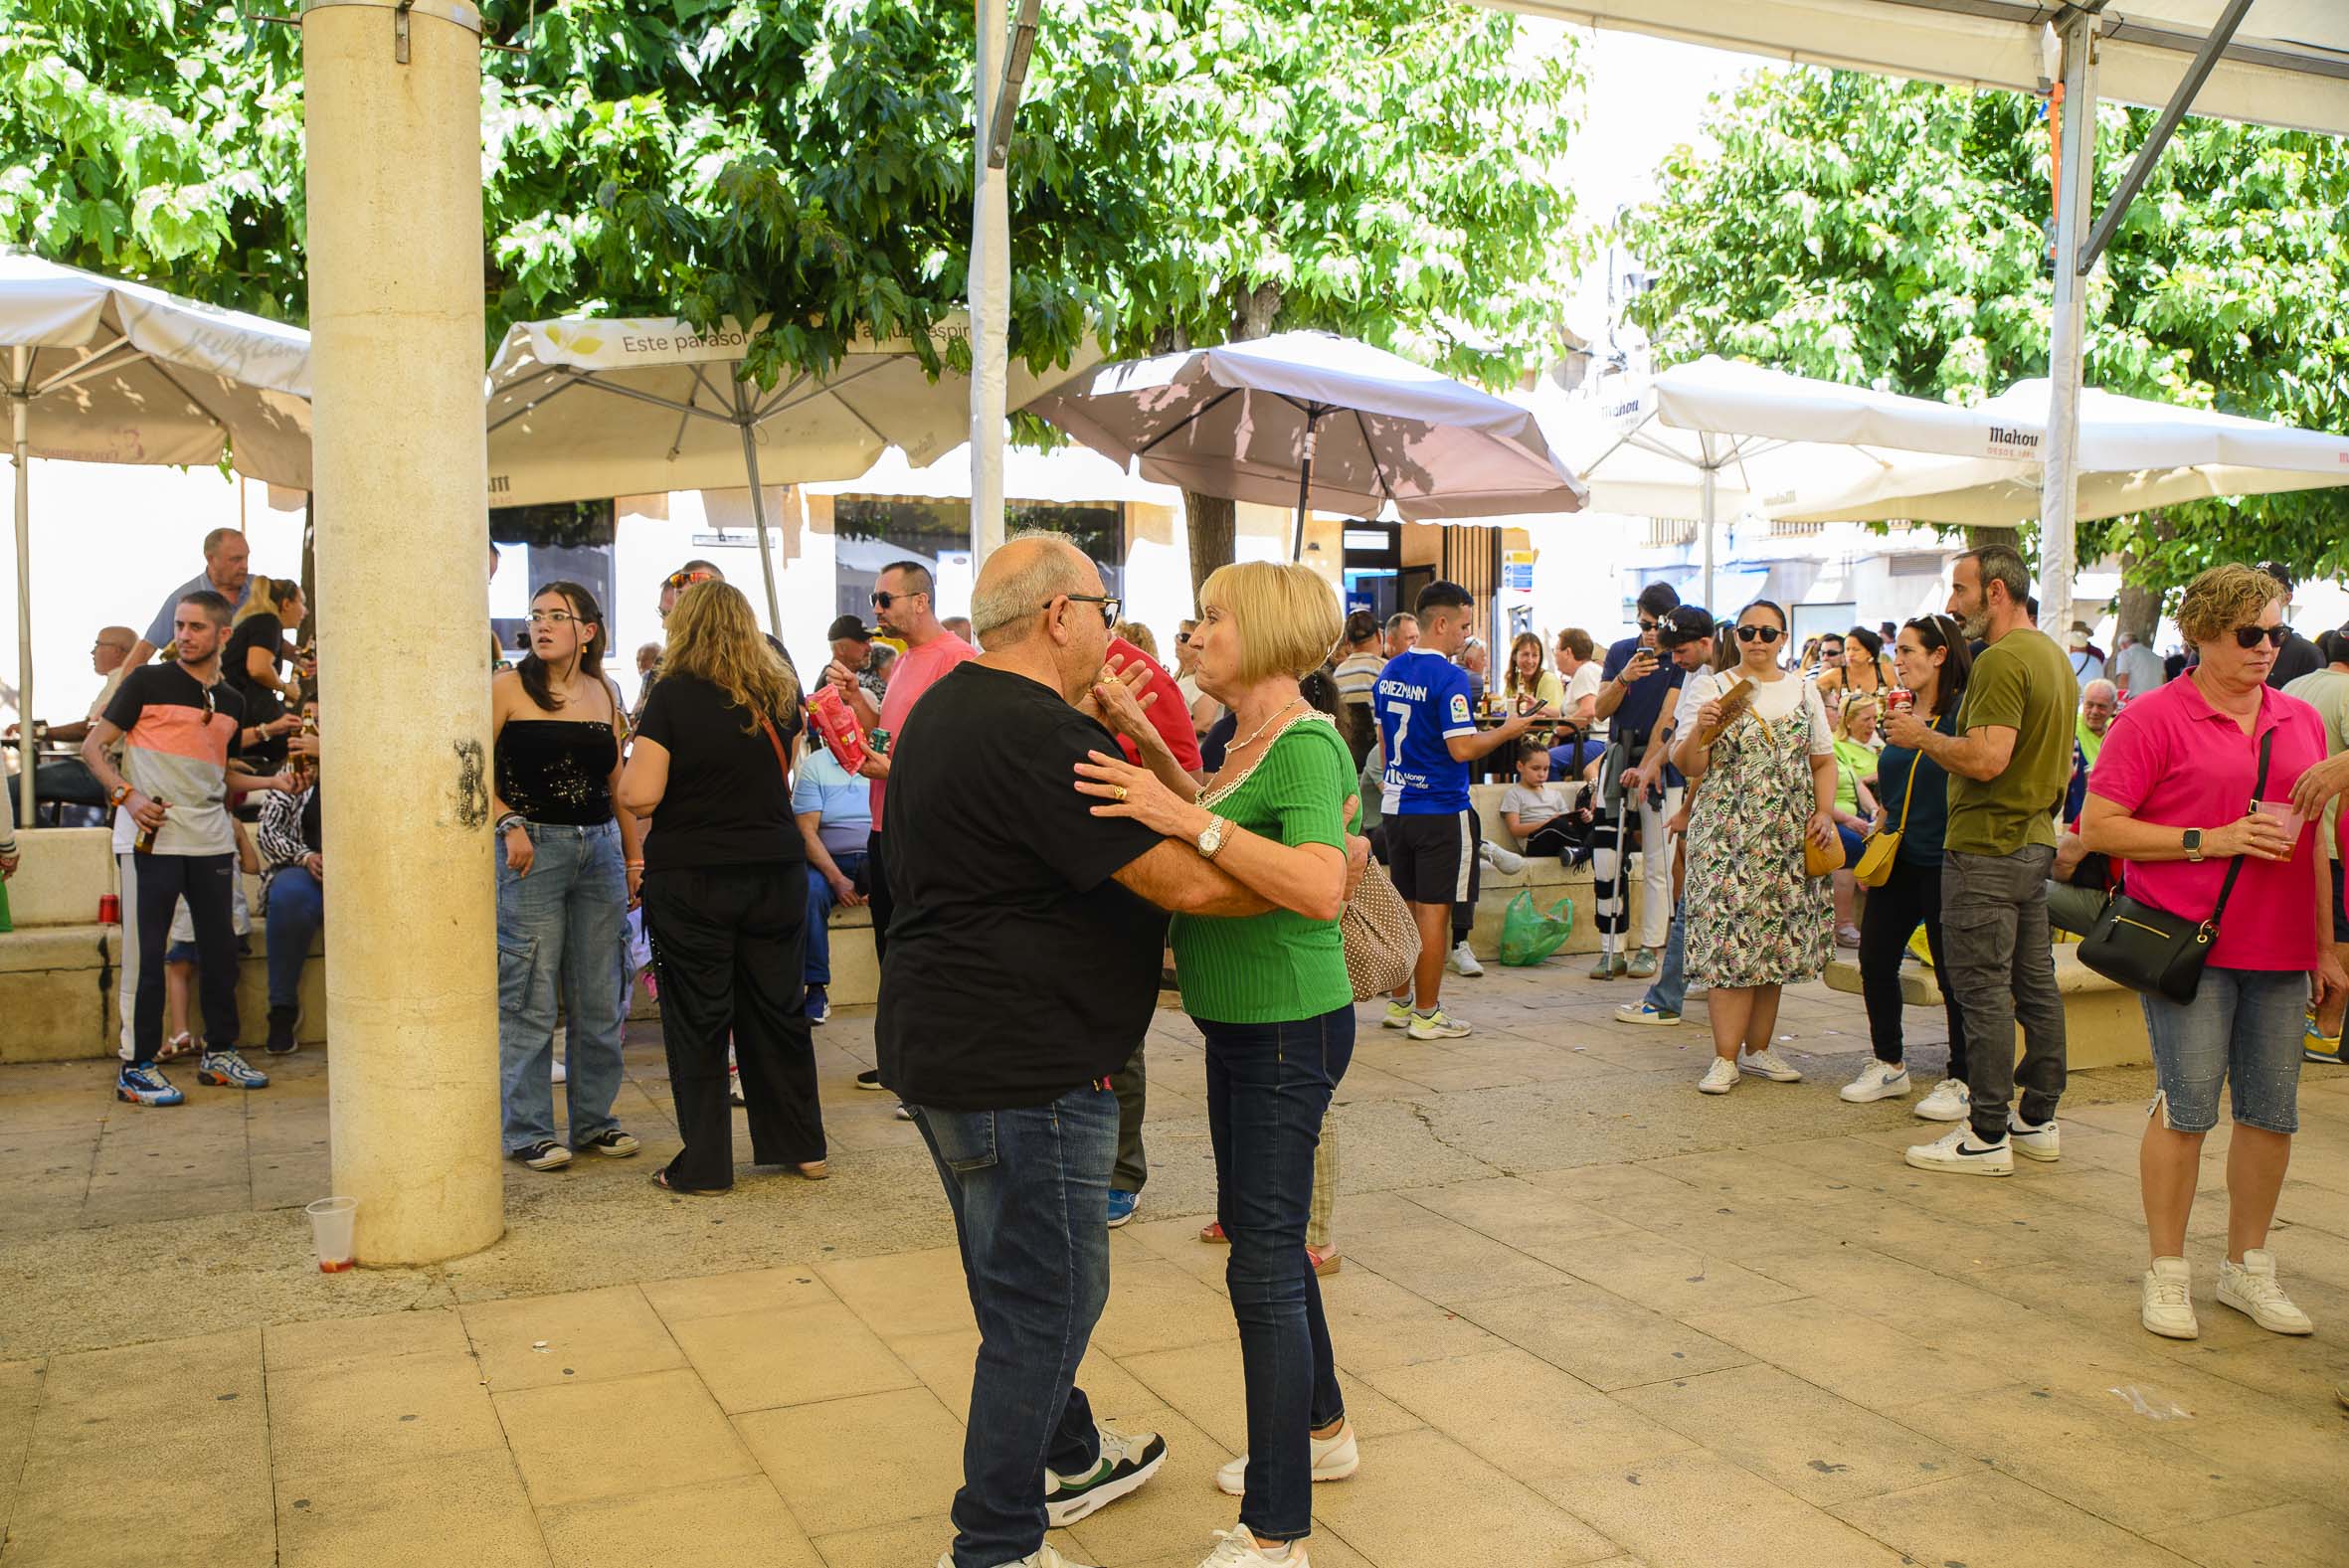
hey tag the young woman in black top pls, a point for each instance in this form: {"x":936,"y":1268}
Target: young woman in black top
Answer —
{"x":564,"y":881}
{"x":726,"y":890}
{"x":251,"y":666}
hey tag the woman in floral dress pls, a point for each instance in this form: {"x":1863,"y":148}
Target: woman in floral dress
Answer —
{"x":1767,"y":762}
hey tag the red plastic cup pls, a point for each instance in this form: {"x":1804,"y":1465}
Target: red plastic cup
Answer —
{"x":110,"y":909}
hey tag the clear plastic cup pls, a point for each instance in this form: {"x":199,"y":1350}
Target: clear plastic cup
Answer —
{"x":2290,"y":820}
{"x":331,"y":1221}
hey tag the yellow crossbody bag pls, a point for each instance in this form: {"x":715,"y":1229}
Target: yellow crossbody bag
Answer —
{"x":1879,"y":850}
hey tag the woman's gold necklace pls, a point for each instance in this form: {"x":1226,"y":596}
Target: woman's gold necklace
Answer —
{"x":1243,"y":746}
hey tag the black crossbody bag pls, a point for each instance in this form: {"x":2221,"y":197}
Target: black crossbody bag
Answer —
{"x":2151,"y":950}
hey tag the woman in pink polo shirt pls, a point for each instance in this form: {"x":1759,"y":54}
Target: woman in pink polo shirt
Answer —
{"x":2173,"y":797}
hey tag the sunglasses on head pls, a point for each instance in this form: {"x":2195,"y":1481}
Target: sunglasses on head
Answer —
{"x":680,"y":580}
{"x":1763,"y":634}
{"x":2253,"y":636}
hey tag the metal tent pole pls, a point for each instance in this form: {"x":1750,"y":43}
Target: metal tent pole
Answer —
{"x":2060,"y":458}
{"x":20,"y":397}
{"x":990,"y":289}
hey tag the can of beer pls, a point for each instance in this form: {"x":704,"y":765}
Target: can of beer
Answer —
{"x":1900,"y":700}
{"x":110,"y":909}
{"x":879,"y":741}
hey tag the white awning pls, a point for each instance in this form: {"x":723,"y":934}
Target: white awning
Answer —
{"x":2287,"y":66}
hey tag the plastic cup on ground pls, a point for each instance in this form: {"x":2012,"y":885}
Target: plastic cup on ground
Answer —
{"x":331,"y":1221}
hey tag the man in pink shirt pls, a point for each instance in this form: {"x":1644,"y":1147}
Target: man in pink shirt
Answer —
{"x":903,"y":604}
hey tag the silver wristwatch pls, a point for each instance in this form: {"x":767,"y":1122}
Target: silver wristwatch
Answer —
{"x":1211,"y":838}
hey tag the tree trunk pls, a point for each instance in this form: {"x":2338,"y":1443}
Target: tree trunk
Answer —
{"x":1212,"y":520}
{"x":2012,"y":538}
{"x":2138,"y":608}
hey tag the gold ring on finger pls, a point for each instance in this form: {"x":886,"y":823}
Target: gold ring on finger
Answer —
{"x":1121,"y":795}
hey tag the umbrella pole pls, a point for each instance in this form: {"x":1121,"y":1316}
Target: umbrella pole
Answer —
{"x":1712,"y":486}
{"x":750,"y":463}
{"x":1313,"y":419}
{"x":20,"y":393}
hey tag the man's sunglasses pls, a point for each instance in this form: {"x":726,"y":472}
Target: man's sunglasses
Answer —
{"x":1645,"y":624}
{"x":883,"y":601}
{"x":682,"y":581}
{"x":1764,"y":635}
{"x":2253,"y":636}
{"x":1109,"y":605}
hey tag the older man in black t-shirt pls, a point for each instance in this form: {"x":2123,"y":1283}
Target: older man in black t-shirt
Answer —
{"x":1021,"y":972}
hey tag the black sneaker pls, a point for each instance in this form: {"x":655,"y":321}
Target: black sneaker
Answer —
{"x":613,"y":1142}
{"x":281,"y":1027}
{"x":545,"y":1154}
{"x":870,"y":1078}
{"x":1125,"y":1462}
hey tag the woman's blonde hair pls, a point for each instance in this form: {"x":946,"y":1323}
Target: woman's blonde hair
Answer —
{"x":1288,"y":616}
{"x":714,"y":637}
{"x":1853,"y":705}
{"x":1139,"y":635}
{"x":266,"y":596}
{"x":2223,"y":597}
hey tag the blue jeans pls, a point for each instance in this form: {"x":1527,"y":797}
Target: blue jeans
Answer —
{"x":297,"y":908}
{"x":1268,"y":1087}
{"x":562,"y":926}
{"x":819,"y":909}
{"x":2243,"y":1029}
{"x":1028,"y":1187}
{"x":1669,"y":989}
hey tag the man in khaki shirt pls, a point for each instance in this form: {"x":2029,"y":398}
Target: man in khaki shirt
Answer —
{"x":2008,"y":765}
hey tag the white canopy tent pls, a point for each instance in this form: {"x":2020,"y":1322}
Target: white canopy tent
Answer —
{"x":1714,"y":437}
{"x":104,"y":371}
{"x":2133,"y":455}
{"x":583,"y":408}
{"x":1313,"y":420}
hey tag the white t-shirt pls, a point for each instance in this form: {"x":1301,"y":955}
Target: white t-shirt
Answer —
{"x":1534,"y":806}
{"x":1772,"y":700}
{"x":2142,"y":666}
{"x":1584,"y":682}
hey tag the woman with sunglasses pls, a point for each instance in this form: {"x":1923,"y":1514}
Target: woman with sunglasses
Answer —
{"x":1913,"y":800}
{"x":1756,"y":922}
{"x":567,"y":866}
{"x":2193,"y":789}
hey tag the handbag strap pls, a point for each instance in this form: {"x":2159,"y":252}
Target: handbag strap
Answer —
{"x":2258,"y":788}
{"x":776,"y":740}
{"x":1916,"y":767}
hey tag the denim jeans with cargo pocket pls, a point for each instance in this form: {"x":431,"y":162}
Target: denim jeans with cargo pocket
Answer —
{"x":2001,"y":963}
{"x":561,"y":930}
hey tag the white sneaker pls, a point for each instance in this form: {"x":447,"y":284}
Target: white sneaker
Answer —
{"x":2042,"y":1142}
{"x":1238,"y":1549}
{"x":1127,"y":1460}
{"x":1333,"y":1459}
{"x":1769,"y":1064}
{"x":562,"y":1075}
{"x":1719,"y":1078}
{"x":1398,"y":1014}
{"x":2166,"y":1306}
{"x":1960,"y":1151}
{"x":1462,"y":961}
{"x":2250,"y":1286}
{"x":1041,"y":1557}
{"x":1649,"y":1013}
{"x":1507,"y":861}
{"x":1951,"y":1101}
{"x":1877,"y":1081}
{"x":1435,"y":1026}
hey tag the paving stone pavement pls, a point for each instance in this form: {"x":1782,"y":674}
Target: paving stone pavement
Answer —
{"x":1586,"y":1315}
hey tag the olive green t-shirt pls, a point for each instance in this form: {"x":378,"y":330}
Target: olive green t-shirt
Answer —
{"x":2022,"y":682}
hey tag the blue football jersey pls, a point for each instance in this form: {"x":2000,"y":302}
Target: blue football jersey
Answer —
{"x":1423,"y":699}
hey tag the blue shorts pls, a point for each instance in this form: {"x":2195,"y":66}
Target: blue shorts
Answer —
{"x":2241,"y":1029}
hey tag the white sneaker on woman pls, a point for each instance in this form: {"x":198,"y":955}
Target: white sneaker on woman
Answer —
{"x":2250,"y":1288}
{"x":2165,"y":1304}
{"x":1238,"y":1549}
{"x":1951,"y":1101}
{"x":1877,"y":1081}
{"x":1767,"y":1063}
{"x":1719,"y":1078}
{"x":1333,"y":1459}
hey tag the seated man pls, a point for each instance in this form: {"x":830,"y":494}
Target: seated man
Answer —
{"x":69,"y":778}
{"x":852,"y":650}
{"x":1548,"y":818}
{"x":834,"y":813}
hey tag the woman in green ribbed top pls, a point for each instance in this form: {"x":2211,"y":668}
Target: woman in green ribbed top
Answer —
{"x":1270,"y":992}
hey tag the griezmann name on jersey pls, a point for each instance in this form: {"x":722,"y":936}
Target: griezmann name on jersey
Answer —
{"x":1423,"y":699}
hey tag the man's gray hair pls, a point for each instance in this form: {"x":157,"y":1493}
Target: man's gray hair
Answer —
{"x":2003,"y":563}
{"x":214,"y":538}
{"x":2099,"y":688}
{"x":1006,"y":607}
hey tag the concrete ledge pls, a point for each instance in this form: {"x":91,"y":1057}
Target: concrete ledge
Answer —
{"x":2103,"y":1023}
{"x":65,"y":871}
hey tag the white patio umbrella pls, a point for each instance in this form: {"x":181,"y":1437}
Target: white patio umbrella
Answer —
{"x":583,"y":407}
{"x":104,"y":371}
{"x":1980,"y":467}
{"x":1711,"y":437}
{"x":1311,"y":420}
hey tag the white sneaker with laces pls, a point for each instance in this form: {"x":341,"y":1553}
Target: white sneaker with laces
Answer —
{"x":1767,"y":1063}
{"x":1435,"y":1026}
{"x":1960,"y":1152}
{"x":1507,"y":861}
{"x":1877,"y":1081}
{"x":1462,"y":961}
{"x":1398,"y":1014}
{"x":1951,"y":1101}
{"x":1333,"y":1459}
{"x":1719,"y":1078}
{"x":2166,"y":1305}
{"x":2044,"y":1142}
{"x":1238,"y":1549}
{"x":2250,"y":1288}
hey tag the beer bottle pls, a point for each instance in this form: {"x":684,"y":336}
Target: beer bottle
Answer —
{"x":145,"y":843}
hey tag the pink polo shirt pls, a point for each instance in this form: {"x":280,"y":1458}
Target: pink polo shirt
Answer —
{"x":2171,"y":759}
{"x":913,"y":674}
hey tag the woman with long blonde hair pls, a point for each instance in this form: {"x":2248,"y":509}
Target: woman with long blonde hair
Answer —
{"x":725,"y":891}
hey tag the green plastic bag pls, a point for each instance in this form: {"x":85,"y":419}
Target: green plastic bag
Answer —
{"x":1527,"y":936}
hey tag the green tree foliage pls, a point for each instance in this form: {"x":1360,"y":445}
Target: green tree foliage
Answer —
{"x":1895,"y":234}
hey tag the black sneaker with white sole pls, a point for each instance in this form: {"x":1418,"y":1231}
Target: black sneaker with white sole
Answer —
{"x":1127,"y":1460}
{"x":545,"y":1154}
{"x":611,"y":1141}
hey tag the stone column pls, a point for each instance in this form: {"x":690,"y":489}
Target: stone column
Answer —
{"x":392,"y":108}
